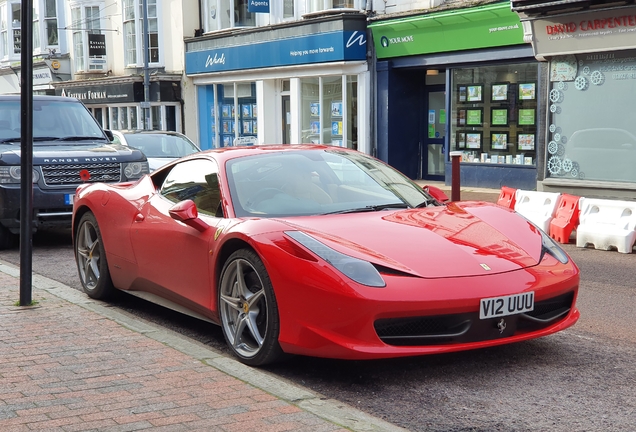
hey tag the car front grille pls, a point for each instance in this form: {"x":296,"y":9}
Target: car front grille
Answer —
{"x":76,"y":174}
{"x":467,"y":327}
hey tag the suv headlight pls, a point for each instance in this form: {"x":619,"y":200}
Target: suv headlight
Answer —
{"x":11,"y":174}
{"x":135,"y":170}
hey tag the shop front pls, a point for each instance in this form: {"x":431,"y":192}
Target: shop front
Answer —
{"x":459,"y":80}
{"x":591,"y":133}
{"x":118,"y":103}
{"x":300,"y":82}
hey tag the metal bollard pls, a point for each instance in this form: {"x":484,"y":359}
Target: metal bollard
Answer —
{"x":456,"y":157}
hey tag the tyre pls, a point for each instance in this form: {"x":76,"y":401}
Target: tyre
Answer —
{"x":91,"y":259}
{"x":248,"y":309}
{"x":7,"y":238}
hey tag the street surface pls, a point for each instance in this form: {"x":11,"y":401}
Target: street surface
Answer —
{"x":581,"y":379}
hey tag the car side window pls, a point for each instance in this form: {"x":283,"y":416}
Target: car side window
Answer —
{"x":196,"y":180}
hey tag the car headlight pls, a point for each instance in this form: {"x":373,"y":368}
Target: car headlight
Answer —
{"x":548,"y":245}
{"x":12,"y":174}
{"x":135,"y":170}
{"x":358,"y":270}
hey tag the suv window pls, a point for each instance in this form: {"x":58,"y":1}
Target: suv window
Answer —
{"x":198,"y":181}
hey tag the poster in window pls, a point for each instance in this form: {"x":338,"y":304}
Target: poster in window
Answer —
{"x":499,"y":92}
{"x":247,"y":126}
{"x":336,"y":128}
{"x":315,"y":127}
{"x":461,"y":140}
{"x":527,"y":91}
{"x":499,"y":117}
{"x":526,"y":117}
{"x":474,"y":93}
{"x":227,"y":126}
{"x":336,"y":109}
{"x":247,"y":110}
{"x":461,"y":93}
{"x":254,"y":110}
{"x":526,"y":142}
{"x":226,"y":111}
{"x":473,"y":117}
{"x":499,"y":141}
{"x":461,"y":117}
{"x":473,"y":140}
{"x":254,"y":126}
{"x":314,"y":109}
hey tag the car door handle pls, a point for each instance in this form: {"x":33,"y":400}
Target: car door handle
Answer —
{"x":139,"y":217}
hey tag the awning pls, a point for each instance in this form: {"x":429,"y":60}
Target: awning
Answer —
{"x":488,"y":26}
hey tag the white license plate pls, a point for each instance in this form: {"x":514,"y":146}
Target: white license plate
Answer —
{"x":507,"y":305}
{"x":69,"y":199}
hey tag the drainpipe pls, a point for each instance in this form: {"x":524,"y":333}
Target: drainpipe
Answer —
{"x":146,"y":46}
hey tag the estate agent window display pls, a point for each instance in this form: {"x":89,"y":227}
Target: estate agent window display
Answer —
{"x":495,"y":114}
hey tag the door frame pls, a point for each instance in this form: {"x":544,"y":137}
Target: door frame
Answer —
{"x":425,"y":141}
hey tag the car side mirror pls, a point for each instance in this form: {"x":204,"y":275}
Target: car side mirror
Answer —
{"x":186,"y":212}
{"x":109,"y":135}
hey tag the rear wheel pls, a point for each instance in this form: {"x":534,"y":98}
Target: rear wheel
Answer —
{"x":91,"y":259}
{"x":248,"y":309}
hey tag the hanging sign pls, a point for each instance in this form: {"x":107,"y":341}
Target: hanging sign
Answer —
{"x":258,"y":6}
{"x":96,"y":44}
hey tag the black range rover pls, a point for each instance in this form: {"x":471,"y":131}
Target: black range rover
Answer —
{"x":69,"y":148}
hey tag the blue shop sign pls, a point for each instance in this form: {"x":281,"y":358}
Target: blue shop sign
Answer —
{"x":317,"y":48}
{"x":258,"y":6}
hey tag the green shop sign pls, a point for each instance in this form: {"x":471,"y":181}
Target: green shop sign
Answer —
{"x":486,"y":26}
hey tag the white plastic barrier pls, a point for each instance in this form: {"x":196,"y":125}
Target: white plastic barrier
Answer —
{"x":606,"y":224}
{"x":538,"y":207}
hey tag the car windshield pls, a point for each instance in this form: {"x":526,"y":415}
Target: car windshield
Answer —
{"x":161,"y":145}
{"x":53,"y":120}
{"x":311,"y":182}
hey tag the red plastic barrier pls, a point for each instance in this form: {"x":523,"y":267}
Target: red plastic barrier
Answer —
{"x":507,"y":197}
{"x":566,"y":218}
{"x":436,"y":192}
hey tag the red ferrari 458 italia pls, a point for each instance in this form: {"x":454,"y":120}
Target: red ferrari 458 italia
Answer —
{"x":322,"y":251}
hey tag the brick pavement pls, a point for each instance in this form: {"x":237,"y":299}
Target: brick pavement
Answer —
{"x":70,"y":363}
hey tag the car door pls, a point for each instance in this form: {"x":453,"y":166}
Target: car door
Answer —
{"x":174,"y":259}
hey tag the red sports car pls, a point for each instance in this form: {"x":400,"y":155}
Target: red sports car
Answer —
{"x":322,"y":251}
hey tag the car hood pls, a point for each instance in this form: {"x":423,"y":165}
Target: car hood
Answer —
{"x":91,"y":151}
{"x":459,"y":239}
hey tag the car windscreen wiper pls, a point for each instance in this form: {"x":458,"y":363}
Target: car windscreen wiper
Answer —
{"x":371,"y":208}
{"x":79,"y":138}
{"x":67,"y":138}
{"x":6,"y":140}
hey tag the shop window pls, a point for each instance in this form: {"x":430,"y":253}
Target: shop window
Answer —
{"x":238,"y":112}
{"x":3,"y":32}
{"x":495,"y":113}
{"x":86,"y":26}
{"x":318,"y":5}
{"x":329,"y":111}
{"x":591,"y":107}
{"x":50,"y":23}
{"x":16,"y":31}
{"x":134,"y":30}
{"x":222,"y":14}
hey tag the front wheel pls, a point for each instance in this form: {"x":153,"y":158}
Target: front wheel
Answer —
{"x":7,"y":238}
{"x":91,"y":259}
{"x":248,"y":309}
